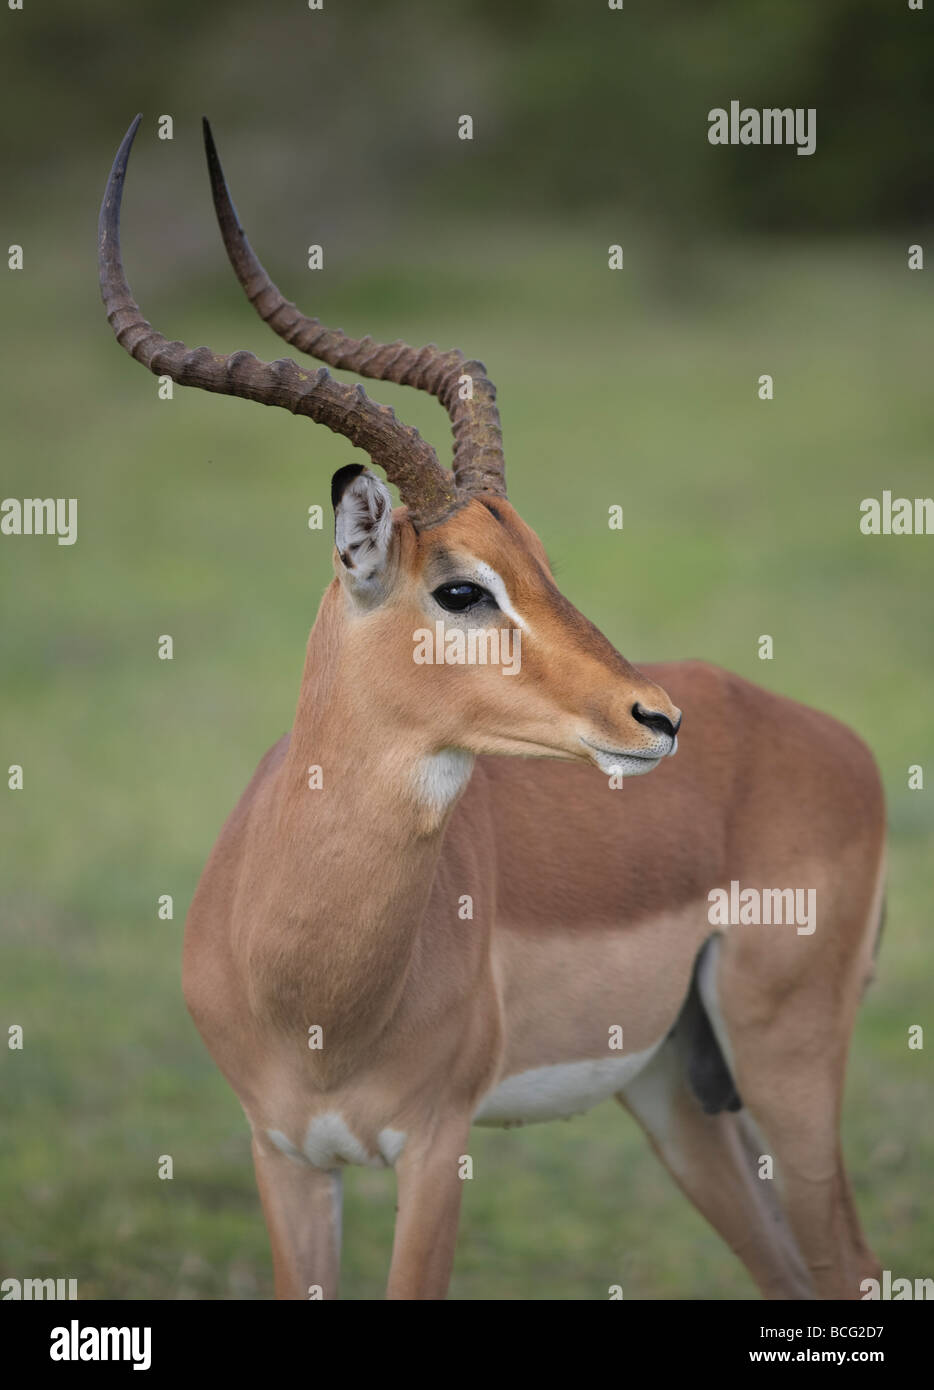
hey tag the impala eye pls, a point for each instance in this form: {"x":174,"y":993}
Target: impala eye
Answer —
{"x":457,"y":598}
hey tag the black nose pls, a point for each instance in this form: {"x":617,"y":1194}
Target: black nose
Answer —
{"x":655,"y":720}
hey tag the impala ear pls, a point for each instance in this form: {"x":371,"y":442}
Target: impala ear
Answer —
{"x":362,"y":523}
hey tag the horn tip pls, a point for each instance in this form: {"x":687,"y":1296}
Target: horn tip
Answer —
{"x":131,"y":133}
{"x":210,"y":149}
{"x":134,"y":127}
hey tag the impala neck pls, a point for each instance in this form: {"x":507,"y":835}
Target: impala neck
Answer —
{"x":378,"y":769}
{"x":360,"y":850}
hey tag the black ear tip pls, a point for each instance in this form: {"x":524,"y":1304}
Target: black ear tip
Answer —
{"x":342,"y":480}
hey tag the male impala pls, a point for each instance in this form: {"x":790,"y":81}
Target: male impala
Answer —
{"x":332,"y":908}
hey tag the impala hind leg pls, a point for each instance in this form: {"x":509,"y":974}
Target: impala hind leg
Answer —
{"x":789,"y":1067}
{"x":795,"y":1095}
{"x":712,"y":1159}
{"x":302,"y":1207}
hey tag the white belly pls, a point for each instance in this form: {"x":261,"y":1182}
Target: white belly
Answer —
{"x":556,"y":1092}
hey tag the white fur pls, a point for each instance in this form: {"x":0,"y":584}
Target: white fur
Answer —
{"x":363,"y":525}
{"x":391,"y":1142}
{"x":561,"y":1090}
{"x":707,"y":987}
{"x":329,"y":1141}
{"x":650,"y":1096}
{"x":622,"y":764}
{"x":284,"y":1145}
{"x":440,"y":778}
{"x":486,"y":576}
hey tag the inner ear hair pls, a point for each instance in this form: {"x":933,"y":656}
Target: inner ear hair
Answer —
{"x":362,"y":520}
{"x":341,"y":479}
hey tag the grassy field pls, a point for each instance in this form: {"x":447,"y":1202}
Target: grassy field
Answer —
{"x":741,"y":519}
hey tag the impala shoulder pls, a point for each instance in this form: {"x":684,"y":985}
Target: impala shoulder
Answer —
{"x":791,"y":720}
{"x":771,"y":726}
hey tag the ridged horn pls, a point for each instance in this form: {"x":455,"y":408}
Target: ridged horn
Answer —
{"x":427,"y":489}
{"x":478,"y":441}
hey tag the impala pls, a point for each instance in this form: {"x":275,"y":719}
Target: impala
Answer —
{"x":431,"y":908}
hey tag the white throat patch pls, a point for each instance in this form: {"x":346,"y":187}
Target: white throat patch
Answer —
{"x":441,"y":777}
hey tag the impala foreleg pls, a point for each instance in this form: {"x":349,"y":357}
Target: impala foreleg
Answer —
{"x":430,"y":1177}
{"x":302,"y":1207}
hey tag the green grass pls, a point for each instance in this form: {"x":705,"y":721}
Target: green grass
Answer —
{"x":741,"y":519}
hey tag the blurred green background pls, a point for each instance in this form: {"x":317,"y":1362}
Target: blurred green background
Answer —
{"x":636,"y":387}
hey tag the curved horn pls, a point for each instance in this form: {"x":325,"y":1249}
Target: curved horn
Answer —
{"x":478,"y":439}
{"x":408,"y":461}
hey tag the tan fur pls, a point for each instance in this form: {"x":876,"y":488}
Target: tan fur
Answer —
{"x":339,"y":908}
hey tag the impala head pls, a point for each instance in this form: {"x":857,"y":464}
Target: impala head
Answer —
{"x":475,"y":641}
{"x":450,"y":597}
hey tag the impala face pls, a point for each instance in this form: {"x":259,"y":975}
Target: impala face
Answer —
{"x":483,"y":571}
